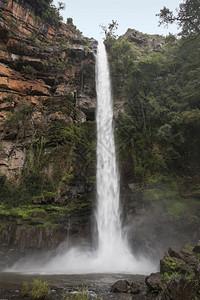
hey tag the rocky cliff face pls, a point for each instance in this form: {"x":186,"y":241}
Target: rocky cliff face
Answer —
{"x":47,"y":133}
{"x":153,"y":42}
{"x":42,"y":68}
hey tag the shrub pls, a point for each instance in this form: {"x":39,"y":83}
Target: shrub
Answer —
{"x":29,"y":70}
{"x":70,"y":23}
{"x":40,"y":289}
{"x":168,"y":277}
{"x":25,"y":289}
{"x":170,"y":265}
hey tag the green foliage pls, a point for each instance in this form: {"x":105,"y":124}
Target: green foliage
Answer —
{"x":169,"y":277}
{"x":188,"y":247}
{"x":41,"y":214}
{"x":177,"y":210}
{"x":160,"y":92}
{"x":10,"y":194}
{"x":46,"y":10}
{"x":71,"y":23}
{"x":67,"y":148}
{"x":79,"y":295}
{"x":10,"y":97}
{"x":82,"y":294}
{"x":192,"y":118}
{"x":40,"y":289}
{"x":171,"y":264}
{"x":109,"y":30}
{"x":86,"y":49}
{"x":29,"y":70}
{"x":25,"y":289}
{"x":187,"y":17}
{"x":20,"y":116}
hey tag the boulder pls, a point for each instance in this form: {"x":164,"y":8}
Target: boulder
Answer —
{"x":191,"y":260}
{"x":178,"y":279}
{"x":155,"y":282}
{"x":182,"y":289}
{"x":186,"y":252}
{"x":137,"y":287}
{"x":175,"y":253}
{"x":185,"y":269}
{"x":121,"y":286}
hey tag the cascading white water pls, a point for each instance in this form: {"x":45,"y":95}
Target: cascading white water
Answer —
{"x":112,"y":254}
{"x":108,"y":209}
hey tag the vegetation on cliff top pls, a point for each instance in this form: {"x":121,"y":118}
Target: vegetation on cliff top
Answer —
{"x":159,"y":133}
{"x":46,"y":10}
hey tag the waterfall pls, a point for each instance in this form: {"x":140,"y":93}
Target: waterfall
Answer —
{"x":112,"y":254}
{"x":108,"y":206}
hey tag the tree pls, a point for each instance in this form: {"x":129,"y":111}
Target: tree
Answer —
{"x":61,"y":6}
{"x":46,"y":10}
{"x":187,"y":17}
{"x":110,"y":30}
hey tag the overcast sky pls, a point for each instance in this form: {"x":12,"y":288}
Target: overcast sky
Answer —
{"x":136,"y":14}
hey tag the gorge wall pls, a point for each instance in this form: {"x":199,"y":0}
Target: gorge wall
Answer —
{"x":42,"y":66}
{"x":47,"y":129}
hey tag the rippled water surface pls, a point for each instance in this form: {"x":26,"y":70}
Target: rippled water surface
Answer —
{"x":100,"y":284}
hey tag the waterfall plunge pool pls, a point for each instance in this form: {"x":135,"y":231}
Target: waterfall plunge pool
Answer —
{"x":98,"y":285}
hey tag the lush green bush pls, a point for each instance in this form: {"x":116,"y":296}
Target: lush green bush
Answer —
{"x":25,"y":289}
{"x":40,"y":289}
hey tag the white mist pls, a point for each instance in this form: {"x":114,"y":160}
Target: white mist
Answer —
{"x":112,"y":254}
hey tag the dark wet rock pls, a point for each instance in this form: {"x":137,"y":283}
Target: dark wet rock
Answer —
{"x":174,"y":253}
{"x":43,"y":200}
{"x":155,"y":282}
{"x":196,"y":249}
{"x":139,"y":297}
{"x":138,"y":288}
{"x":197,"y":272}
{"x":186,"y":252}
{"x":182,"y":289}
{"x":185,"y":269}
{"x":121,"y":286}
{"x":87,"y":105}
{"x":178,"y":279}
{"x":191,"y":260}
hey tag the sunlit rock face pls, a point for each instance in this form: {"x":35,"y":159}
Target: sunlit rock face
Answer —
{"x":39,"y":64}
